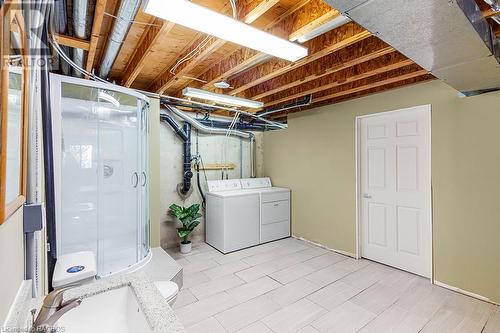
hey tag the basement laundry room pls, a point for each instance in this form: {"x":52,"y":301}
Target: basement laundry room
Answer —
{"x":250,"y":166}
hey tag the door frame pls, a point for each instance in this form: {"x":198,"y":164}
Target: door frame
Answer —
{"x":357,"y":152}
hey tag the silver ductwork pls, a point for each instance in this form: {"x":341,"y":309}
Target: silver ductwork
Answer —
{"x":61,"y":26}
{"x":451,"y":39}
{"x":82,"y":20}
{"x":126,"y":14}
{"x":203,"y":128}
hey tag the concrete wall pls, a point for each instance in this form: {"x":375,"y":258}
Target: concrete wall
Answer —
{"x":11,"y":261}
{"x":210,"y":148}
{"x":315,"y":156}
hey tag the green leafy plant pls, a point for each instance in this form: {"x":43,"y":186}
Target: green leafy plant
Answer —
{"x":188,"y":217}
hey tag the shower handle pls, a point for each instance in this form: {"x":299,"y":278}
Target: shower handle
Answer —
{"x":144,"y":178}
{"x":135,"y":179}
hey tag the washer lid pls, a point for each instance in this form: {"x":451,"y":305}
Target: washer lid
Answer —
{"x":168,"y":289}
{"x":73,"y":267}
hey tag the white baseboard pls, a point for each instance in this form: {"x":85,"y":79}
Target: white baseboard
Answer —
{"x":345,"y":253}
{"x":464,"y":292}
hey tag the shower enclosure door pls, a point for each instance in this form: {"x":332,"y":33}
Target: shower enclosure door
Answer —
{"x":100,"y":148}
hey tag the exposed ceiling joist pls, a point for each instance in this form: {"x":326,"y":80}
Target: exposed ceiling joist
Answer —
{"x":297,"y":18}
{"x":100,"y":7}
{"x":328,"y":16}
{"x":309,"y":74}
{"x":259,"y":10}
{"x":276,"y":67}
{"x":72,"y":42}
{"x":318,"y":87}
{"x":417,"y":73}
{"x":167,"y":79}
{"x":148,"y":39}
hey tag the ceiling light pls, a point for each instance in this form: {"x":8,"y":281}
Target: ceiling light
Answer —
{"x":202,"y":19}
{"x":330,"y":25}
{"x":222,"y":85}
{"x":221,"y":98}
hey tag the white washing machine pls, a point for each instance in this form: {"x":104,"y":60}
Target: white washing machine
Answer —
{"x":246,"y":212}
{"x":232,"y":216}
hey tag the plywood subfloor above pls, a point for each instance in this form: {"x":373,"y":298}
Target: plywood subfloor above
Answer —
{"x":342,"y":63}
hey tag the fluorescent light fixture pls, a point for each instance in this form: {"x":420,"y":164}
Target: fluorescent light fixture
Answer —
{"x":330,"y":25}
{"x":202,"y":19}
{"x":221,"y":98}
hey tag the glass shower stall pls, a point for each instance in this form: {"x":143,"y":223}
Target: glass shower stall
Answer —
{"x":100,"y":139}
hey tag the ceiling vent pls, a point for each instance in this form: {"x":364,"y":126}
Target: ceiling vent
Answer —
{"x":451,"y":39}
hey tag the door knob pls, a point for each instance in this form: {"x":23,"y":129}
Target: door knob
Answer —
{"x":367,"y":196}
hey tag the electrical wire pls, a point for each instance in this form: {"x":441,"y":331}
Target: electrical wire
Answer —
{"x":197,"y":49}
{"x":132,"y":21}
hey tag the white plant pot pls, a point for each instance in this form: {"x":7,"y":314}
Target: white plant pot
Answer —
{"x":186,"y":248}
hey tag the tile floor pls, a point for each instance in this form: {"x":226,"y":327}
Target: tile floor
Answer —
{"x":293,"y":286}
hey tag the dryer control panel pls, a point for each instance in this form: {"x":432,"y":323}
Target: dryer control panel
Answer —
{"x":249,"y":183}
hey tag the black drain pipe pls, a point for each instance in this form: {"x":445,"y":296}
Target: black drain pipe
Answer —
{"x":187,"y":173}
{"x":185,"y":135}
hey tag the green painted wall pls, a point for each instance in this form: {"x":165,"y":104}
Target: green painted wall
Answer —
{"x":315,"y":156}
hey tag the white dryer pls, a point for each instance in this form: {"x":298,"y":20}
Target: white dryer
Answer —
{"x":232,"y":216}
{"x":274,"y":208}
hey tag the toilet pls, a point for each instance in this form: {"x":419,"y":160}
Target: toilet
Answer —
{"x":74,"y":268}
{"x":168,"y":290}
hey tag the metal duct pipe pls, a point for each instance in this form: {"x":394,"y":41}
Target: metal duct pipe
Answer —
{"x":81,"y":28}
{"x":238,"y":125}
{"x":126,"y":14}
{"x":61,"y":26}
{"x":203,"y":128}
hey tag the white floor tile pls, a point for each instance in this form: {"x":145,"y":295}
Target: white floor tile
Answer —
{"x":346,"y":318}
{"x":184,"y":298}
{"x":226,"y":269}
{"x":325,"y":260}
{"x":215,"y":286}
{"x":292,"y":273}
{"x":194,"y":313}
{"x":191,"y":280}
{"x":253,"y":289}
{"x":292,"y":292}
{"x":243,"y":315}
{"x":308,"y":329}
{"x":294,"y":316}
{"x":493,"y":324}
{"x":334,"y":295}
{"x":257,"y":327}
{"x":208,"y":325}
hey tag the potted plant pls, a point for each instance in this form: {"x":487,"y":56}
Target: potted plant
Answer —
{"x":188,"y":217}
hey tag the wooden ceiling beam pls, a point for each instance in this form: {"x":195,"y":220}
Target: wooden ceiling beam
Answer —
{"x":167,"y":79}
{"x":295,"y":18}
{"x":371,"y":85}
{"x":259,"y":10}
{"x":148,"y":39}
{"x":281,"y":116}
{"x":490,"y":13}
{"x":100,"y":7}
{"x":323,"y":46}
{"x":72,"y":42}
{"x":314,"y":24}
{"x":289,"y":81}
{"x":337,"y":81}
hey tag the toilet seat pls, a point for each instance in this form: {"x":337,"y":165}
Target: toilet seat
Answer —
{"x":168,"y":290}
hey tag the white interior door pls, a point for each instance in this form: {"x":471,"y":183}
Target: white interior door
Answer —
{"x":395,"y":189}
